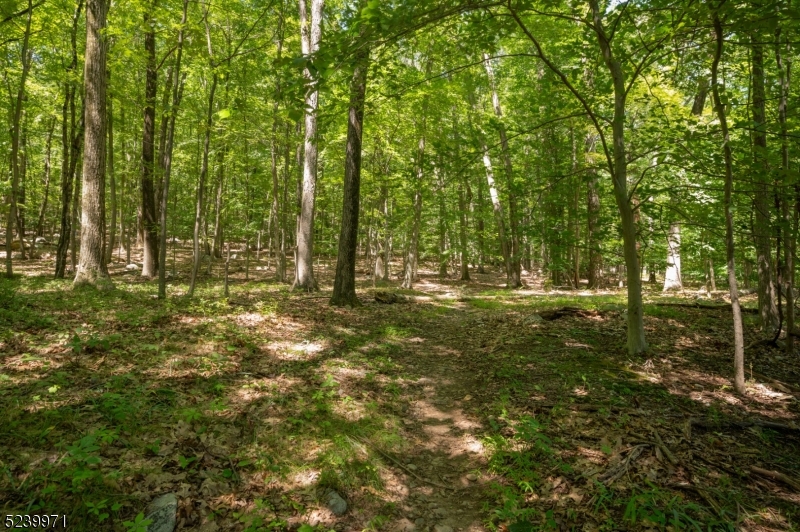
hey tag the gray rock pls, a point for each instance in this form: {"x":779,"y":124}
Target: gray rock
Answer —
{"x":443,"y":528}
{"x":472,"y":477}
{"x":163,"y":512}
{"x":412,"y":467}
{"x":335,"y":503}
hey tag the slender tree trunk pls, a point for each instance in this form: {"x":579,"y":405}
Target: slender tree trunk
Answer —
{"x":310,"y":33}
{"x":442,"y":223}
{"x":498,"y":215}
{"x":480,"y":229}
{"x":92,"y":268}
{"x":636,"y":338}
{"x":149,"y":222}
{"x":177,"y":95}
{"x":112,"y":237}
{"x":412,"y":257}
{"x":738,"y":336}
{"x":218,"y":230}
{"x":787,"y":209}
{"x":593,"y":217}
{"x":47,"y":172}
{"x":73,"y":234}
{"x":15,"y":151}
{"x":344,"y":284}
{"x":672,"y":277}
{"x":276,"y":217}
{"x":513,"y":262}
{"x":767,"y":302}
{"x":71,"y":141}
{"x":462,"y":230}
{"x":201,"y":186}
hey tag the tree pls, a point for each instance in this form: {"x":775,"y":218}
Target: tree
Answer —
{"x":310,"y":36}
{"x":92,"y":267}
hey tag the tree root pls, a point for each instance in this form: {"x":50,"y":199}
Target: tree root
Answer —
{"x":775,"y":475}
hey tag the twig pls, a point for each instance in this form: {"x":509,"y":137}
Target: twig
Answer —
{"x":404,"y":468}
{"x":664,"y":449}
{"x":775,"y":475}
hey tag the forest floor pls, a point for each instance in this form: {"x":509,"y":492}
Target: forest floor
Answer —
{"x":467,"y":407}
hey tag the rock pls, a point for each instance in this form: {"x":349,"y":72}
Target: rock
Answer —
{"x":40,"y":240}
{"x":443,"y":528}
{"x":534,"y":318}
{"x":335,"y":503}
{"x":412,"y":467}
{"x":132,"y":267}
{"x":162,"y":511}
{"x":472,"y":477}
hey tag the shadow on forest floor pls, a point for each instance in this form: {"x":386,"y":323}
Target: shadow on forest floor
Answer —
{"x":466,"y":410}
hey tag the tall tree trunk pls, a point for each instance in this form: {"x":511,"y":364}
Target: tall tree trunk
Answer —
{"x":201,"y":186}
{"x":787,"y":208}
{"x":672,"y":277}
{"x":344,"y":284}
{"x":462,"y":230}
{"x":514,"y":265}
{"x":619,"y":171}
{"x":387,"y":234}
{"x":177,"y":95}
{"x":149,"y":222}
{"x":92,"y":267}
{"x":480,"y":229}
{"x":767,"y":302}
{"x":47,"y":172}
{"x":442,"y":223}
{"x":73,"y":234}
{"x":218,"y":230}
{"x":112,"y":237}
{"x":15,"y":151}
{"x":593,"y":215}
{"x":738,"y":335}
{"x":412,"y":257}
{"x":71,"y":142}
{"x":310,"y":33}
{"x":499,"y":218}
{"x":277,"y":219}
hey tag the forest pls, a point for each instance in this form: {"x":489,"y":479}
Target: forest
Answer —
{"x":413,"y":266}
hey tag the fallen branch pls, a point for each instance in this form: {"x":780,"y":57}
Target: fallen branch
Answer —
{"x":775,"y":475}
{"x":710,"y":425}
{"x":401,"y":466}
{"x":616,"y":472}
{"x":664,"y":448}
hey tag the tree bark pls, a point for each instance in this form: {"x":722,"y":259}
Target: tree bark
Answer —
{"x":636,"y":338}
{"x":276,"y":222}
{"x":672,"y":277}
{"x":787,"y":208}
{"x":177,"y":94}
{"x":47,"y":173}
{"x":767,"y":301}
{"x":92,"y":267}
{"x":514,"y":264}
{"x":201,"y":186}
{"x":738,"y":335}
{"x":15,"y":151}
{"x":112,"y":237}
{"x":149,"y":222}
{"x":344,"y":285}
{"x":593,"y":217}
{"x":310,"y":35}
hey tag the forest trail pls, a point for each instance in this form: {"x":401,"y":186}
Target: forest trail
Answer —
{"x":465,"y":408}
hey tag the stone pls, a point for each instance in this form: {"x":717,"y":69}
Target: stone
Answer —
{"x":412,"y":467}
{"x":335,"y":503}
{"x":163,"y":513}
{"x":443,"y":528}
{"x":472,"y":477}
{"x":132,"y":267}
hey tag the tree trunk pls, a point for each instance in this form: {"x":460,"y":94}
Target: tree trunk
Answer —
{"x":672,"y":277}
{"x":513,"y":261}
{"x":218,"y":230}
{"x":462,"y":230}
{"x":73,"y":234}
{"x":344,"y":285}
{"x":149,"y":222}
{"x":498,"y":214}
{"x":47,"y":171}
{"x":480,"y":229}
{"x":442,"y":224}
{"x":177,"y":95}
{"x":310,"y":34}
{"x":201,"y":186}
{"x":276,"y":221}
{"x":112,"y":237}
{"x":619,"y":171}
{"x":767,"y":302}
{"x":92,"y":267}
{"x":738,"y":336}
{"x":593,"y":216}
{"x":787,"y":208}
{"x":15,"y":155}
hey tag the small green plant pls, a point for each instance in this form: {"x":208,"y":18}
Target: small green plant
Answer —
{"x":139,"y":524}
